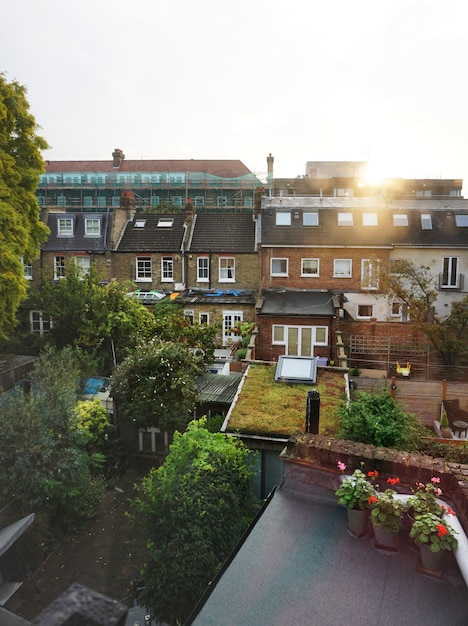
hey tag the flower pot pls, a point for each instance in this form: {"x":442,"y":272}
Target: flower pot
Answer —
{"x":431,"y":563}
{"x":357,"y":522}
{"x":386,"y":540}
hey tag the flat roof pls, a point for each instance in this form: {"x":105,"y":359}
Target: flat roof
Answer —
{"x":299,"y":565}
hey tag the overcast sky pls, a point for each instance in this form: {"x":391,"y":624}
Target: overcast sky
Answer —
{"x":383,"y":81}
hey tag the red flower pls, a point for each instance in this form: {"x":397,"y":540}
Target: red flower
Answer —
{"x":393,"y":481}
{"x":371,"y":499}
{"x":441,"y":530}
{"x":373,"y":474}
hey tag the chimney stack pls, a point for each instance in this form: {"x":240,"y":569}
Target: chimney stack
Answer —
{"x":118,"y":156}
{"x":270,"y":161}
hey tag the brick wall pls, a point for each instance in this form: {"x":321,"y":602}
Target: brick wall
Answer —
{"x":124,"y":268}
{"x":246,"y":272}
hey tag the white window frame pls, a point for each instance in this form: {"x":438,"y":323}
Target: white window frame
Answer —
{"x":283,"y":268}
{"x":230,"y":319}
{"x":204,"y":318}
{"x":138,"y":223}
{"x":396,"y":309}
{"x":203,"y":269}
{"x":337,"y":274}
{"x":189,"y":314}
{"x":370,"y":270}
{"x":65,"y":227}
{"x":310,"y":218}
{"x":450,"y":276}
{"x":92,"y":227}
{"x":461,"y":220}
{"x":59,"y":267}
{"x":307,"y":274}
{"x":370,"y":219}
{"x":27,"y":269}
{"x":281,"y":335}
{"x":38,"y":323}
{"x":365,"y":317}
{"x":345,"y":219}
{"x":227,"y":269}
{"x":283,"y":218}
{"x":83,"y":263}
{"x":143,"y":269}
{"x":167,"y":269}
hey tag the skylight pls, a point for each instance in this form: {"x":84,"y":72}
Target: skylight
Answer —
{"x":165,"y":222}
{"x":298,"y":369}
{"x":139,"y":223}
{"x":461,"y":220}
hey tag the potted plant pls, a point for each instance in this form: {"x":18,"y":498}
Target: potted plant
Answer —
{"x":354,"y":493}
{"x":424,"y":499}
{"x":435,"y":538}
{"x":387,"y":519}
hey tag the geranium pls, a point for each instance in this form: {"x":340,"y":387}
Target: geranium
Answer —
{"x":355,"y":491}
{"x":387,"y":511}
{"x":431,"y":530}
{"x":373,"y":474}
{"x":372,"y":499}
{"x":393,"y":481}
{"x":424,"y":498}
{"x":341,"y":465}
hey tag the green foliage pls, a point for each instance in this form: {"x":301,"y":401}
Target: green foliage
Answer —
{"x":155,"y":385}
{"x":197,"y":505}
{"x":424,"y":500}
{"x":444,"y":423}
{"x":213,"y":424}
{"x":433,"y":531}
{"x":91,"y":418}
{"x":450,"y":452}
{"x":21,"y":229}
{"x":377,"y":419}
{"x":387,"y":511}
{"x":355,"y":491}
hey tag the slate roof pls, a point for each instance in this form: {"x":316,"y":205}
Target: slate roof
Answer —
{"x":227,"y":233}
{"x":225,"y":168}
{"x":444,"y":231}
{"x":151,"y":237}
{"x":297,"y":302}
{"x":78,"y":242}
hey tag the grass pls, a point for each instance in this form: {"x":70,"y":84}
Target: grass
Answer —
{"x":277,"y":409}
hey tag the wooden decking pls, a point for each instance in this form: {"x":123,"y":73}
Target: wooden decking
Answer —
{"x":421,"y":398}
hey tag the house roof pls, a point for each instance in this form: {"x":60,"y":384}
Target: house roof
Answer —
{"x":218,"y":296}
{"x":227,"y":233}
{"x":444,"y":230}
{"x":78,"y":241}
{"x":299,"y":565}
{"x":218,"y":388}
{"x":150,"y":236}
{"x":297,"y":302}
{"x":224,"y":168}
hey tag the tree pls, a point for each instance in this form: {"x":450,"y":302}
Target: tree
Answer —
{"x":416,"y":288}
{"x":156,"y":384}
{"x":21,"y":230}
{"x":196,"y":507}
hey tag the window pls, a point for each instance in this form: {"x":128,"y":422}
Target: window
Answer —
{"x":101,"y":200}
{"x":59,"y":267}
{"x":222,"y":200}
{"x":41,"y":200}
{"x":83,"y":263}
{"x":143,"y":268}
{"x":310,"y":219}
{"x":177,"y":200}
{"x":27,"y":269}
{"x":61,"y":200}
{"x":450,"y":276}
{"x":461,"y":220}
{"x":426,"y":221}
{"x":227,"y":269}
{"x":65,"y":226}
{"x":115,"y":201}
{"x":88,"y":201}
{"x":370,"y":219}
{"x":283,"y":218}
{"x":400,"y":219}
{"x":342,"y":268}
{"x":154,"y":201}
{"x":167,"y":269}
{"x":399,"y":266}
{"x":92,"y":227}
{"x":230,"y":319}
{"x":39,"y":324}
{"x":199,"y":201}
{"x":345,"y":219}
{"x":300,"y":340}
{"x":309,"y":267}
{"x":139,"y":224}
{"x":189,"y":315}
{"x":203,"y":318}
{"x":165,"y":222}
{"x":423,"y":193}
{"x":203,"y":271}
{"x":370,"y":270}
{"x":279,"y":267}
{"x":341,"y":191}
{"x":396,"y":309}
{"x":365,"y":311}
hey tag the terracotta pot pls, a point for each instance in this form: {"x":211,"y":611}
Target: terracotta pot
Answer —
{"x":357,"y":522}
{"x":386,"y":540}
{"x":431,"y":563}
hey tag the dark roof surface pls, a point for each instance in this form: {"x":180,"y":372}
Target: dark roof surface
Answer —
{"x":219,"y":296}
{"x":299,"y":566}
{"x":225,"y":168}
{"x":218,"y":388}
{"x":299,"y":302}
{"x":443,"y":232}
{"x":78,"y":242}
{"x":223,"y":233}
{"x":151,"y":237}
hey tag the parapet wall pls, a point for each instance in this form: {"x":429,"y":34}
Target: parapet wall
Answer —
{"x":318,"y":457}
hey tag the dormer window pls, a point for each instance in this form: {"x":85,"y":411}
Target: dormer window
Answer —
{"x":283,"y":218}
{"x":369,"y":219}
{"x":92,"y":227}
{"x":345,"y":219}
{"x":65,"y":226}
{"x":165,"y":222}
{"x":426,"y":221}
{"x":400,"y":219}
{"x":139,"y":224}
{"x":310,"y":219}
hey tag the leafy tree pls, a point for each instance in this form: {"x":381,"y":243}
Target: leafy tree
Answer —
{"x":196,"y":507}
{"x":44,"y":464}
{"x":155,"y":385}
{"x":21,"y":230}
{"x":416,"y":288}
{"x":92,"y":419}
{"x":101,"y":319}
{"x":378,"y":420}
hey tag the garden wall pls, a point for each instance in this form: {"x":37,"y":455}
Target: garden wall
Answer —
{"x":315,"y":458}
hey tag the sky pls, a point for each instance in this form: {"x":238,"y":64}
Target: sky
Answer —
{"x":378,"y":81}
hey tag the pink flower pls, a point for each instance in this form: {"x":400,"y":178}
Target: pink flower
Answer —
{"x":438,"y":491}
{"x":435,"y":480}
{"x":420,"y":485}
{"x":341,"y":465}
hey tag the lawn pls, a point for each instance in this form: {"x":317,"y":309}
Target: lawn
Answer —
{"x":278,"y":409}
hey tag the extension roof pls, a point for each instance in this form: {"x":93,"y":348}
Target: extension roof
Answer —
{"x":297,"y":302}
